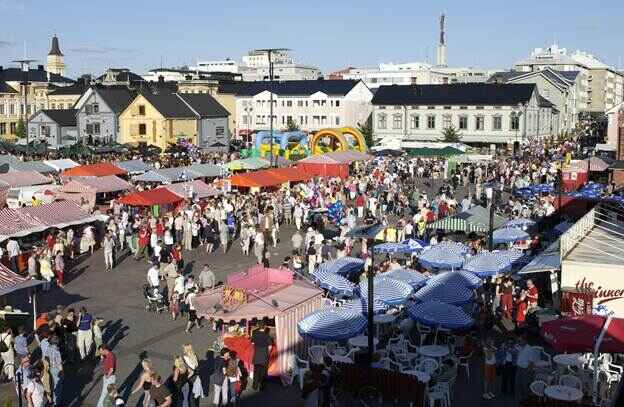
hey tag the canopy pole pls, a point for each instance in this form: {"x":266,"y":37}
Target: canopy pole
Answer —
{"x":603,"y":332}
{"x":34,"y":304}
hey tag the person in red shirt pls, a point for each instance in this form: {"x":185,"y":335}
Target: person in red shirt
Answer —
{"x":359,"y":204}
{"x":532,"y":294}
{"x":144,"y":239}
{"x":109,"y":366}
{"x":50,"y":241}
{"x":521,"y":310}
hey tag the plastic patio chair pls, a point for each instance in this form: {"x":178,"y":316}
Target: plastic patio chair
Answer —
{"x":316,"y":354}
{"x":538,"y":387}
{"x":464,"y":361}
{"x":571,"y":381}
{"x":543,"y":358}
{"x":428,"y":365}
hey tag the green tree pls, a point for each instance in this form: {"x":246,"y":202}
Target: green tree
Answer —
{"x":367,"y":131}
{"x":451,"y":135}
{"x":291,"y":125}
{"x":20,"y":131}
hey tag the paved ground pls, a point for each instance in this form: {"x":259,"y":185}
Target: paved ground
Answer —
{"x":131,"y":331}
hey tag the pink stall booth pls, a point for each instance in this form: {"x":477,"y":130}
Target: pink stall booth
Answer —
{"x":256,"y":294}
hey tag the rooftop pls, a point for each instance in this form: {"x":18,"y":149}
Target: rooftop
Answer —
{"x":290,"y":88}
{"x":486,"y":94}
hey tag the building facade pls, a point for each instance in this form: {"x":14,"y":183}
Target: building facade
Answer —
{"x":602,"y":86}
{"x":56,"y":59}
{"x":164,"y":119}
{"x":482,"y":113}
{"x":57,"y":128}
{"x":98,"y":113}
{"x":310,"y":105}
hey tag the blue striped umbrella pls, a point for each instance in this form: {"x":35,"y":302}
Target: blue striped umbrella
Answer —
{"x":361,"y":305}
{"x":344,"y":265}
{"x":455,"y":247}
{"x":333,"y":282}
{"x":332,"y":324}
{"x":459,"y":276}
{"x":387,"y":290}
{"x":409,"y":276}
{"x":508,"y":235}
{"x":393,"y":248}
{"x":486,"y":264}
{"x":449,"y":288}
{"x":439,"y":314}
{"x":520,"y":223}
{"x":415,"y":243}
{"x":442,"y":257}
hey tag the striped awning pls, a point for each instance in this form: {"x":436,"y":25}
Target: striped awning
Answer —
{"x":10,"y":281}
{"x":475,"y":219}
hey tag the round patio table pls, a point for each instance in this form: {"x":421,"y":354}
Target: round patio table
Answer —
{"x":434,"y":351}
{"x":361,"y":341}
{"x":563,"y":393}
{"x":422,"y":377}
{"x":568,"y":359}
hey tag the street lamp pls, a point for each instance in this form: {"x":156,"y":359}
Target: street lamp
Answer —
{"x":492,"y":196}
{"x":269,"y":52}
{"x":368,"y":231}
{"x":517,"y":114}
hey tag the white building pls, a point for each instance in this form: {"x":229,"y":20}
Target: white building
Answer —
{"x":482,"y":113}
{"x":561,"y":88}
{"x":224,"y":65}
{"x":602,"y":86}
{"x":414,"y":73}
{"x":312,"y":105}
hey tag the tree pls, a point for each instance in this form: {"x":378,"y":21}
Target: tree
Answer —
{"x":20,"y":131}
{"x":367,"y":131}
{"x":291,"y":125}
{"x":451,"y":135}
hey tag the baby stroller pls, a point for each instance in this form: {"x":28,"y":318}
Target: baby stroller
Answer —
{"x":154,"y":300}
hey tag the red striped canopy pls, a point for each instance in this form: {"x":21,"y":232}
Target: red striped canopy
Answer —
{"x":10,"y":281}
{"x":157,"y":196}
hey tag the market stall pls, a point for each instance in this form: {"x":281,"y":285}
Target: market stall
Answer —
{"x":94,"y":170}
{"x":193,"y":189}
{"x":262,"y":293}
{"x":93,"y":189}
{"x":10,"y":282}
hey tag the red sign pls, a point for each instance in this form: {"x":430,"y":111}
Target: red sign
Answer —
{"x":574,"y":304}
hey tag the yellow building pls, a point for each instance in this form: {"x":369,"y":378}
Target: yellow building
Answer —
{"x":228,"y":101}
{"x":163,"y":119}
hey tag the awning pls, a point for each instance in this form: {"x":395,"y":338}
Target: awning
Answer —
{"x":158,"y":196}
{"x":133,"y":166}
{"x":337,"y":157}
{"x":10,"y":281}
{"x":258,"y":179}
{"x":62,"y":164}
{"x":475,"y":219}
{"x":251,"y":163}
{"x":109,"y":183}
{"x":23,"y":179}
{"x":596,"y":164}
{"x":207,"y":170}
{"x":167,"y":175}
{"x":434,"y":152}
{"x":94,"y":170}
{"x":547,"y":261}
{"x":198,"y":188}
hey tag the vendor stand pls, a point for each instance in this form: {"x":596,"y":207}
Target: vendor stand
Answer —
{"x":257,"y":294}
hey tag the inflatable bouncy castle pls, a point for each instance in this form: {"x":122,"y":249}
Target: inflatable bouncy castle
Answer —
{"x":338,"y":139}
{"x":290,"y":144}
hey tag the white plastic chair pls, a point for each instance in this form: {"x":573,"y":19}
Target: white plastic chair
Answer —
{"x":464,"y":361}
{"x":542,"y":359}
{"x":316,"y":354}
{"x":571,"y":381}
{"x":538,"y":387}
{"x":437,"y":393}
{"x":300,"y":367}
{"x":543,"y":377}
{"x":428,"y":365}
{"x":390,"y":364}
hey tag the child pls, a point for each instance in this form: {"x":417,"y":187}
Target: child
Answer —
{"x":96,"y":328}
{"x":174,"y":306}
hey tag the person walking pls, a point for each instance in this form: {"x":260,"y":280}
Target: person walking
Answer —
{"x":85,"y":333}
{"x":13,"y":250}
{"x":109,"y":246}
{"x":7,"y":352}
{"x":53,"y":356}
{"x":145,"y":382}
{"x":524,"y":365}
{"x":489,"y":371}
{"x":59,"y":268}
{"x":180,"y":383}
{"x":263,"y":344}
{"x":207,"y":278}
{"x":196,"y":390}
{"x":109,"y":366}
{"x":219,"y":378}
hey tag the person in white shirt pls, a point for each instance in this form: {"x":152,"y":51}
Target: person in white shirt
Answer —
{"x":153,"y":277}
{"x":524,"y":364}
{"x":13,"y":250}
{"x":35,"y":395}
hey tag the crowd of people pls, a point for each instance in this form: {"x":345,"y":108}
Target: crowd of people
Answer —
{"x":405,"y":193}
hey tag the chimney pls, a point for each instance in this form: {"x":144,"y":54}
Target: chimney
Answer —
{"x":40,"y":67}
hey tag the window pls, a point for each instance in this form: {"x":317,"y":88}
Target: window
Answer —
{"x":463,"y":108}
{"x":289,"y":103}
{"x":96,"y":108}
{"x":337,"y":121}
{"x":2,"y":110}
{"x":300,"y":103}
{"x":96,"y":128}
{"x":479,"y":123}
{"x":315,"y":120}
{"x":141,"y":110}
{"x":53,"y":106}
{"x":446,"y":121}
{"x":382,"y":122}
{"x":515,"y":122}
{"x":447,"y":108}
{"x":45,"y":131}
{"x":431,"y":122}
{"x":479,"y":107}
{"x":88,"y":109}
{"x":219,"y":131}
{"x":431,"y":107}
{"x":258,"y":119}
{"x":337,"y":103}
{"x":61,"y":107}
{"x":142,"y":127}
{"x":414,"y":121}
{"x":13,"y":128}
{"x":316,"y":103}
{"x":89,"y":129}
{"x":397,"y":121}
{"x":497,"y":123}
{"x":463,"y":122}
{"x":323,"y":120}
{"x":323,"y":102}
{"x":2,"y":128}
{"x":11,"y":109}
{"x":245,"y":120}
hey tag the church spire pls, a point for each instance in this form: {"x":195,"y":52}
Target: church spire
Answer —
{"x":55,"y":50}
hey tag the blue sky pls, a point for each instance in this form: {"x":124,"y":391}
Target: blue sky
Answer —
{"x":329,"y":34}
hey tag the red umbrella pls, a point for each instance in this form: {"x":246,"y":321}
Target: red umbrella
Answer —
{"x":579,"y":334}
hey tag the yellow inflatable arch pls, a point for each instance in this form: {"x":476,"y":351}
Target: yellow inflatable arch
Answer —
{"x":338,"y":140}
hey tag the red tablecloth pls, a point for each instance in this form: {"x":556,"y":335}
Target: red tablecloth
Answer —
{"x":245,"y":350}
